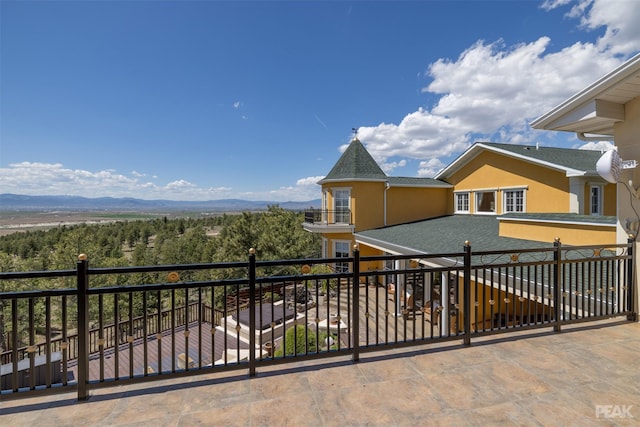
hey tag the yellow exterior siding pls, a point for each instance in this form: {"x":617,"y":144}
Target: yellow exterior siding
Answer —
{"x":366,"y":202}
{"x":610,"y":207}
{"x":546,"y":190}
{"x":609,"y":198}
{"x":407,"y":204}
{"x":570,"y":234}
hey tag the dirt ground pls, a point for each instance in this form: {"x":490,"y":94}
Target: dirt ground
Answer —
{"x":14,"y":222}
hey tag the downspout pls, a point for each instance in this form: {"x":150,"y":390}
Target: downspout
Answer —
{"x":386,"y":187}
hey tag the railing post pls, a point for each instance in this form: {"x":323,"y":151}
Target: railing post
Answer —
{"x":633,"y":316}
{"x":355,"y":327}
{"x":82,"y":276}
{"x":467,"y":293}
{"x":557,"y":291}
{"x":252,"y":312}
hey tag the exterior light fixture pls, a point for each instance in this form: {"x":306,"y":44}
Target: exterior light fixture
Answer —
{"x":610,"y":166}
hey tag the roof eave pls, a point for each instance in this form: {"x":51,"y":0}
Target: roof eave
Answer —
{"x":467,"y":156}
{"x":330,"y":180}
{"x":559,"y":118}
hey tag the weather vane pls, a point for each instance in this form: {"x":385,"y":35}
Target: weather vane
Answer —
{"x":355,"y":132}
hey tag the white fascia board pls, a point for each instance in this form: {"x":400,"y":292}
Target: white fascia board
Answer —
{"x":385,"y":246}
{"x":591,"y":112}
{"x":402,"y":250}
{"x":591,"y":92}
{"x":555,"y":221}
{"x":466,"y":157}
{"x":327,"y":181}
{"x":462,"y":160}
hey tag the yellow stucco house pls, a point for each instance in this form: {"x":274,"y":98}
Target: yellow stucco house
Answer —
{"x":509,"y":194}
{"x":499,"y":197}
{"x":609,"y":109}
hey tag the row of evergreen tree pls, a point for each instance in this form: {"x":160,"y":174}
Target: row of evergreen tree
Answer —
{"x":275,"y":234}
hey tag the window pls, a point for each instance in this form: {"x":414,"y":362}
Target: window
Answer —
{"x":342,"y":251}
{"x":462,"y":202}
{"x":325,"y":207}
{"x":596,"y":199}
{"x":341,"y":201}
{"x":486,"y":202}
{"x":514,"y":201}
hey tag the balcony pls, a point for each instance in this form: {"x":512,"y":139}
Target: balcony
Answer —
{"x":328,"y":221}
{"x":374,"y":348}
{"x":519,"y":379}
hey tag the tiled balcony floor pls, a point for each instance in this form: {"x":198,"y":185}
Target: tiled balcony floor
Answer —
{"x":537,"y":378}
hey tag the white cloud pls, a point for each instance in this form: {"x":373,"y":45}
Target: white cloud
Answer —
{"x":430,"y":168}
{"x":237,"y":104}
{"x":53,"y":178}
{"x":492,"y":91}
{"x":597,"y":146}
{"x":621,"y":18}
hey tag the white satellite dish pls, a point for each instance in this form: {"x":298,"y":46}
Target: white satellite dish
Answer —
{"x":610,"y":166}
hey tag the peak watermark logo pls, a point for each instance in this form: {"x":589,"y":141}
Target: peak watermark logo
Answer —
{"x":614,"y":411}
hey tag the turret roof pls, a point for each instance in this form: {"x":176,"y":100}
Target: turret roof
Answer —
{"x":355,"y":164}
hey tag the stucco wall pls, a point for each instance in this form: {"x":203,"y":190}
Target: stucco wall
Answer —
{"x":406,"y":204}
{"x":627,"y":139}
{"x":547,"y":190}
{"x":570,"y":234}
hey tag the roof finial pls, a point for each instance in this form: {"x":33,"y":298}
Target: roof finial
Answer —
{"x":355,"y":134}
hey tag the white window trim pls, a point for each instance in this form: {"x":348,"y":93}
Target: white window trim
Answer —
{"x":600,"y":188}
{"x":455,"y":202}
{"x":334,"y":248}
{"x":495,"y":200}
{"x":505,"y":190}
{"x":333,"y":200}
{"x":515,"y":187}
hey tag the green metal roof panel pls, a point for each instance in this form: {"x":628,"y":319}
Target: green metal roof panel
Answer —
{"x":355,"y":164}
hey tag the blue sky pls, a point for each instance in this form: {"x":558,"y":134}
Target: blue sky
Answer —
{"x":203,"y":100}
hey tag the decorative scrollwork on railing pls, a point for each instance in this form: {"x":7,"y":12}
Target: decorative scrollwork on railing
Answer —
{"x":588,"y":254}
{"x":514,"y":258}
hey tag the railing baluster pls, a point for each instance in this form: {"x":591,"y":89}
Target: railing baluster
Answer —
{"x":523,"y":294}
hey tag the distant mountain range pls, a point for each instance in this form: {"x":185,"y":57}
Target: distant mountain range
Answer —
{"x":12,"y":202}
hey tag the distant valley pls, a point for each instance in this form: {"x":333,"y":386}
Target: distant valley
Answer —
{"x":23,"y":213}
{"x":17,"y":202}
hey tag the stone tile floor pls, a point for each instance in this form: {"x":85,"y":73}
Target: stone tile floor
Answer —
{"x":535,"y":378}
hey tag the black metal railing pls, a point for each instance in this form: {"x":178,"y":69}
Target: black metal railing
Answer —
{"x":202,"y":317}
{"x":326,"y":217}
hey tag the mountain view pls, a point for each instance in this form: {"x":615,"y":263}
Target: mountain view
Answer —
{"x":13,"y":202}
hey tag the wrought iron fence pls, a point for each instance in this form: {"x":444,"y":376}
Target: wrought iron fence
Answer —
{"x":327,"y":216}
{"x":235,"y":317}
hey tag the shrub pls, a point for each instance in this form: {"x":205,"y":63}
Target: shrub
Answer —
{"x":298,"y":340}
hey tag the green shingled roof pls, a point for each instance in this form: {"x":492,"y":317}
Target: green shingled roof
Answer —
{"x":571,"y":160}
{"x":355,"y":164}
{"x":404,"y":181}
{"x":445,"y":235}
{"x":584,"y":160}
